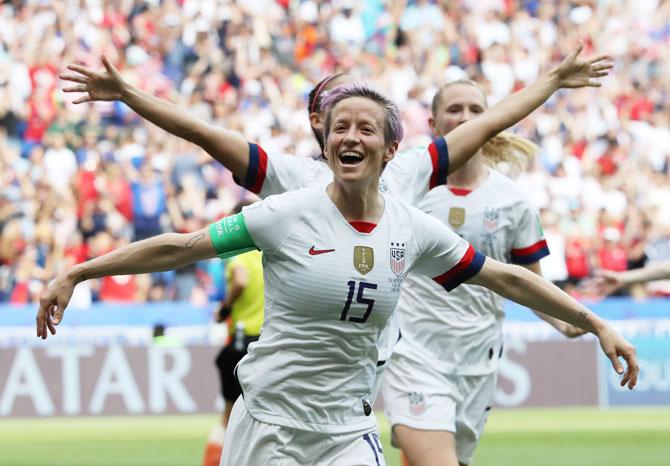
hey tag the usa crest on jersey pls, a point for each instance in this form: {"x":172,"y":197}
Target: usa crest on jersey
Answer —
{"x":491,"y":219}
{"x":417,"y":403}
{"x":397,"y":258}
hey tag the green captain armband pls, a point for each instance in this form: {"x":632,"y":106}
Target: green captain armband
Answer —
{"x":230,"y":236}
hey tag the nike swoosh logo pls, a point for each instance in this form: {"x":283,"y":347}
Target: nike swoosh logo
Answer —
{"x":316,"y":252}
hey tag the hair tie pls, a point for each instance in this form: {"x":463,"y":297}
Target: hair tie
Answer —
{"x":317,"y":95}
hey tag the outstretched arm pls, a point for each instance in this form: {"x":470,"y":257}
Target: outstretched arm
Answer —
{"x":160,"y":253}
{"x":528,"y":289}
{"x":227,"y":147}
{"x":466,"y":139}
{"x":227,"y":237}
{"x":608,"y":282}
{"x":568,"y":330}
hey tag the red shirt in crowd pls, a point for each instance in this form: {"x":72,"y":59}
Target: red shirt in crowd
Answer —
{"x":120,"y":288}
{"x":613,"y":257}
{"x":576,"y":260}
{"x":120,"y":191}
{"x":20,"y":293}
{"x":88,"y":194}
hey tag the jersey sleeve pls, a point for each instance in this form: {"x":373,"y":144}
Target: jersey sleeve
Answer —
{"x":269,"y":221}
{"x":270,"y":174}
{"x":443,"y":255}
{"x":529,"y":245}
{"x":418,"y":170}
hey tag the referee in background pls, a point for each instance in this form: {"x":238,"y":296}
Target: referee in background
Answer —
{"x":243,"y":310}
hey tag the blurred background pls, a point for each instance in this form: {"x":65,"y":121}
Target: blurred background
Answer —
{"x":78,"y":181}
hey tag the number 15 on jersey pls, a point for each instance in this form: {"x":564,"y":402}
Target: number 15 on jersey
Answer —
{"x":360,"y":298}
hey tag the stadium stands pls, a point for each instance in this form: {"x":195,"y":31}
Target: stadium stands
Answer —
{"x":80,"y":180}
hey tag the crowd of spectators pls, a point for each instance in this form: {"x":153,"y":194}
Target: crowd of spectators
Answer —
{"x":79,"y":180}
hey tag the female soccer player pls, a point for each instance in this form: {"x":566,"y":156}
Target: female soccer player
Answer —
{"x":335,"y":259}
{"x":408,"y":177}
{"x":440,"y":381}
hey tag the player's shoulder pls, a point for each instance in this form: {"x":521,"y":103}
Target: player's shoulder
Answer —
{"x":291,"y":201}
{"x":273,"y":218}
{"x":410,"y":154}
{"x":285,"y":159}
{"x":507,"y":188}
{"x":410,"y":215}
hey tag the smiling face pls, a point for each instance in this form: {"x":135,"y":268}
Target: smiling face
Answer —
{"x":455,"y":104}
{"x":355,"y":147}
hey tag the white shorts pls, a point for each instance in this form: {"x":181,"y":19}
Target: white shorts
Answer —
{"x":249,"y":442}
{"x":421,"y":397}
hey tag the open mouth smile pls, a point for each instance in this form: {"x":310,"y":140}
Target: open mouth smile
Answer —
{"x":350,"y":158}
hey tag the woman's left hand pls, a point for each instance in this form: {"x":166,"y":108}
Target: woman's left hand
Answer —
{"x":572,"y":73}
{"x":615,"y":346}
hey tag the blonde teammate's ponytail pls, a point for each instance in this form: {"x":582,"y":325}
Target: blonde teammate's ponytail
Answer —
{"x":509,"y":153}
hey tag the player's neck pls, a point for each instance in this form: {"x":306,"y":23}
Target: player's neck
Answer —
{"x":357,"y":202}
{"x":470,"y":175}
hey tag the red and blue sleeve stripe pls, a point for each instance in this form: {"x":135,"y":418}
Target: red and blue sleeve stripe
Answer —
{"x":531,"y":254}
{"x":468,"y":267}
{"x":257,"y":169}
{"x":439,"y":156}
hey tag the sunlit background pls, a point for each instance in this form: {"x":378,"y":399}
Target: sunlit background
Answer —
{"x":79,"y":180}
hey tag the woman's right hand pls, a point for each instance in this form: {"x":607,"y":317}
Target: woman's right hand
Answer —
{"x":104,"y":85}
{"x":615,"y":346}
{"x":53,"y":303}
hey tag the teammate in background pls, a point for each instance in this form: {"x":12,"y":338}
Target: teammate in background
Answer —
{"x":243,"y":309}
{"x":409,"y":176}
{"x":307,"y":381}
{"x":607,"y":282}
{"x":439,"y":383}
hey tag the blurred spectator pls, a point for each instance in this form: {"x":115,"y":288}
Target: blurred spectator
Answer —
{"x":160,"y":338}
{"x":76,"y":180}
{"x":612,"y":255}
{"x":149,"y":203}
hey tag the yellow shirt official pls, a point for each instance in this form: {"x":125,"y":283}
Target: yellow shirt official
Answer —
{"x":248,"y":307}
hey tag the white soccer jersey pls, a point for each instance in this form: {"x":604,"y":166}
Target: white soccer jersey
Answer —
{"x":329,"y":291}
{"x":462,"y":333}
{"x":408,"y":177}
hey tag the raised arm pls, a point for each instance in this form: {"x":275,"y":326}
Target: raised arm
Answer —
{"x":466,"y":139}
{"x":227,"y":147}
{"x":528,"y":289}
